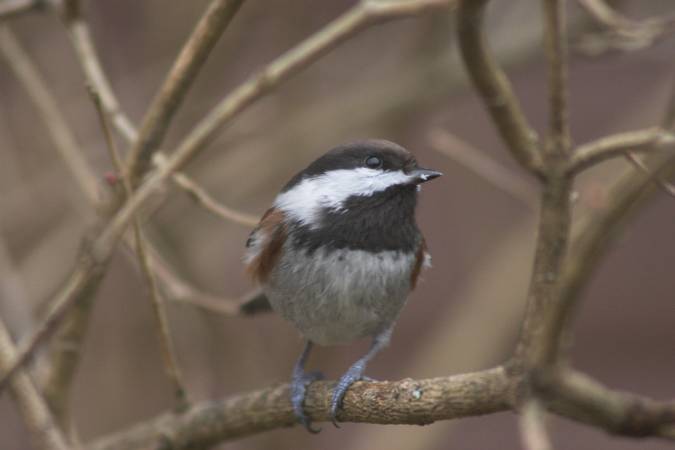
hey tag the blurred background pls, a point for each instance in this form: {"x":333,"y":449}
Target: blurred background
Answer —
{"x":400,"y":81}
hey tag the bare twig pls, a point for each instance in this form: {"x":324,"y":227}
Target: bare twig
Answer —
{"x":203,"y":198}
{"x":365,"y":13}
{"x":587,"y":155}
{"x":555,"y":40}
{"x":64,"y":354}
{"x":494,"y":87}
{"x":32,"y":405}
{"x":624,"y":33}
{"x":156,"y":121}
{"x":82,"y":283}
{"x":165,"y":341}
{"x":661,"y":182}
{"x":64,"y":140}
{"x":533,"y":427}
{"x":86,"y":55}
{"x":485,"y":167}
{"x":282,"y":68}
{"x":9,"y":8}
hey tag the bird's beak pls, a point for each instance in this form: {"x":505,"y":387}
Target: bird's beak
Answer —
{"x":421,"y":175}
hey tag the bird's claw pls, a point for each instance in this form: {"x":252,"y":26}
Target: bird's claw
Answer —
{"x":299,"y":385}
{"x":355,"y":373}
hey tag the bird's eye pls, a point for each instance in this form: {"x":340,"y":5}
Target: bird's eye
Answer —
{"x":373,"y":162}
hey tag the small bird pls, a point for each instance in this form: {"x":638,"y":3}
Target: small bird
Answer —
{"x":339,"y":251}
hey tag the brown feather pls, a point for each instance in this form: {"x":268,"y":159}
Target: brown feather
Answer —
{"x":419,"y":261}
{"x":273,"y":232}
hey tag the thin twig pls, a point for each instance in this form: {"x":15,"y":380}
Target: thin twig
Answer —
{"x":624,"y":33}
{"x":82,"y":283}
{"x":165,"y":342}
{"x":156,"y":121}
{"x":282,"y":68}
{"x":533,"y":427}
{"x":485,"y":167}
{"x":85,"y":51}
{"x":617,"y":145}
{"x":555,"y":40}
{"x":64,"y":354}
{"x":666,"y":186}
{"x":494,"y":87}
{"x":10,"y":8}
{"x":64,"y":140}
{"x":33,"y":407}
{"x":356,"y":19}
{"x":203,"y":198}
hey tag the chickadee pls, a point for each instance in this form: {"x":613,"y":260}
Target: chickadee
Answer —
{"x":339,"y":251}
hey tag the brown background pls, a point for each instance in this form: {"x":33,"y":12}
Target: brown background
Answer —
{"x":397,"y":81}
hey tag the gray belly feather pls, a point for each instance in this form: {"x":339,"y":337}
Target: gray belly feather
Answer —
{"x":341,"y":295}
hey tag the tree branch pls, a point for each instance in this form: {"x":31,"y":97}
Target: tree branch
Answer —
{"x":82,"y":284}
{"x":32,"y":406}
{"x":624,"y":33}
{"x":9,"y":8}
{"x":159,"y":309}
{"x":621,"y":413}
{"x":533,"y":431}
{"x":494,"y":86}
{"x":485,"y":167}
{"x":87,"y":271}
{"x":414,"y":402}
{"x":203,"y":198}
{"x":608,"y":147}
{"x":177,"y":83}
{"x":64,"y":140}
{"x":555,"y":43}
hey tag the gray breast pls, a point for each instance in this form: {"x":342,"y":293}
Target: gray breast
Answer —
{"x":340,"y":295}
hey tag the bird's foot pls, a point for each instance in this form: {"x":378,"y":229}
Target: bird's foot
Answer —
{"x":355,"y":373}
{"x":299,"y":385}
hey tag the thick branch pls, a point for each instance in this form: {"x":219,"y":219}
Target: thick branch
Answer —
{"x":414,"y":402}
{"x":494,"y":86}
{"x":177,"y":83}
{"x":552,"y":240}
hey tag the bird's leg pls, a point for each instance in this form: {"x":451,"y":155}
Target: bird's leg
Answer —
{"x":355,"y":373}
{"x":299,"y":384}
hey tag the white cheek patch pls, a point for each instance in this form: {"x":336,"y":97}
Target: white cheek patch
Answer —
{"x":305,"y":201}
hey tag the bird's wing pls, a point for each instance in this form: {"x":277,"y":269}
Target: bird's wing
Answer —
{"x":422,"y":259}
{"x":264,"y":244}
